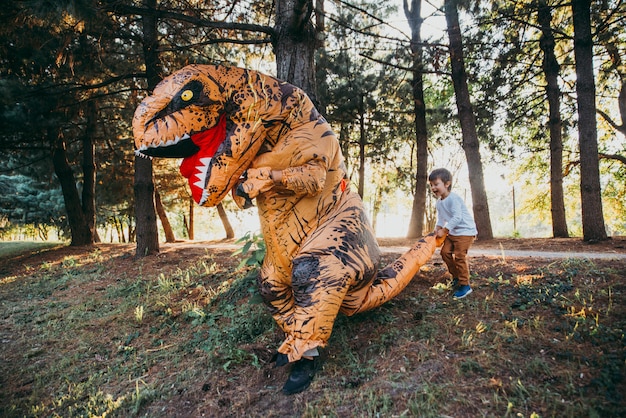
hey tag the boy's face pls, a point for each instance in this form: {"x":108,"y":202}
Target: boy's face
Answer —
{"x":439,"y":188}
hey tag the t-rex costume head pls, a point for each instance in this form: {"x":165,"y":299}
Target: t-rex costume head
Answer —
{"x":236,"y":129}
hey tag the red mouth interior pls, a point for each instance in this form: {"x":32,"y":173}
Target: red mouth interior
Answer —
{"x":208,"y":141}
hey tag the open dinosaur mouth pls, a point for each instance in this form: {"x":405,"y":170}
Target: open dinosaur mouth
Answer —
{"x":180,"y":147}
{"x":195,"y":167}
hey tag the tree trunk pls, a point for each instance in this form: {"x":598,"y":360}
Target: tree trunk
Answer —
{"x":591,"y":197}
{"x":295,"y":44}
{"x":190,"y":225}
{"x":344,"y":142}
{"x":167,"y":228}
{"x":79,"y":227}
{"x":322,"y":71}
{"x":553,"y":93}
{"x":471,"y":145}
{"x":362,"y":143}
{"x":416,"y":224}
{"x":89,"y":169}
{"x":120,"y":229}
{"x":227,"y":226}
{"x":145,"y":214}
{"x":378,"y":200}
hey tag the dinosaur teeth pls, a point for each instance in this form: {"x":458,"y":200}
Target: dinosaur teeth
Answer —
{"x":202,"y":171}
{"x":138,"y":153}
{"x":206,"y":161}
{"x":199,"y":184}
{"x":203,"y":199}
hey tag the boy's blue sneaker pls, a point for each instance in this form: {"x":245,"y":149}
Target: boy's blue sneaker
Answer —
{"x":462,"y":291}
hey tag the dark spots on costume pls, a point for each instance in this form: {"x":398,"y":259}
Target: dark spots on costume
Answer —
{"x":313,"y":115}
{"x":218,"y":159}
{"x":305,"y":270}
{"x":341,"y":254}
{"x":389,"y":272}
{"x":327,"y":133}
{"x":268,"y":123}
{"x":286,"y":90}
{"x":269,"y":294}
{"x":320,"y":120}
{"x":239,"y":98}
{"x":231,"y":107}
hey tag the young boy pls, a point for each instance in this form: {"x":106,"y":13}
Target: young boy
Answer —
{"x":454,"y":219}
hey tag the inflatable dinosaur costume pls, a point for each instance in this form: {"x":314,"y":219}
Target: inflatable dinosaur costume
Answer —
{"x":242,"y":131}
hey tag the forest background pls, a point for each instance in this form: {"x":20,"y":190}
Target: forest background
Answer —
{"x":388,"y":77}
{"x":525,"y":101}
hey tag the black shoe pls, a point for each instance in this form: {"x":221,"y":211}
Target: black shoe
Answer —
{"x":301,"y":376}
{"x":280,"y":359}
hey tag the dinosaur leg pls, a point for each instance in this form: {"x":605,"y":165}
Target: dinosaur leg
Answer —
{"x":275,"y":290}
{"x":340,"y":255}
{"x":319,"y":286}
{"x":302,"y":306}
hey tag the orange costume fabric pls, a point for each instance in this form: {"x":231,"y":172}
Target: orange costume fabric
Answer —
{"x":234,"y":127}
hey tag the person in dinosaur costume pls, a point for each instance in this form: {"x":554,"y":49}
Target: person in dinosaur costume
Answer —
{"x":260,"y":138}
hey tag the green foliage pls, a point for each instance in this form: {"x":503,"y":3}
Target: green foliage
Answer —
{"x":15,"y":248}
{"x":26,"y":201}
{"x":252,"y":250}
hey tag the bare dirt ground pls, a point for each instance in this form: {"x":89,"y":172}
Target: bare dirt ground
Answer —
{"x":615,"y":245}
{"x":536,"y":247}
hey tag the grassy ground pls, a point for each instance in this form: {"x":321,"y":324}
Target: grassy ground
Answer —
{"x":94,"y":332}
{"x":12,"y":249}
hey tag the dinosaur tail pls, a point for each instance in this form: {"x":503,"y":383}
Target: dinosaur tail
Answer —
{"x":391,"y":280}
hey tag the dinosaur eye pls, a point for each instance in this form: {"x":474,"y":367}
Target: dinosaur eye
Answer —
{"x":186,"y":95}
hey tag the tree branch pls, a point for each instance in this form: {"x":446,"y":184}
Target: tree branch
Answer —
{"x":616,"y":157}
{"x":124,"y":9}
{"x":400,"y":67}
{"x":219,"y":41}
{"x":610,"y":121}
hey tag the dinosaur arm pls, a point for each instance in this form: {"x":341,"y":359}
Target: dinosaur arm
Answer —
{"x":307,"y":179}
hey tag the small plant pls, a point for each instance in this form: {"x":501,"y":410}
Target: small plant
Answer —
{"x":513,"y":325}
{"x":481,"y":327}
{"x":467,"y":338}
{"x":193,"y":310}
{"x":253,"y":249}
{"x":426,"y":402}
{"x":165,"y":284}
{"x":139,"y":314}
{"x":68,"y":262}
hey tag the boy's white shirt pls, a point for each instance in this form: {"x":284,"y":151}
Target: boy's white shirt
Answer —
{"x":454,"y":215}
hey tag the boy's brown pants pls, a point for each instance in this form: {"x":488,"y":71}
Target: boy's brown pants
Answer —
{"x":454,"y":254}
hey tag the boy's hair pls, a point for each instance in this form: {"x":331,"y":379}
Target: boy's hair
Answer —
{"x":442,"y":174}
